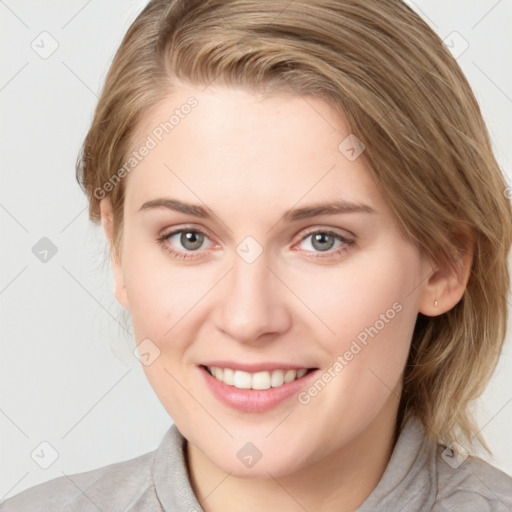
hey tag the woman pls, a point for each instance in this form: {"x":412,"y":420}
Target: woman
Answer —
{"x":310,"y":231}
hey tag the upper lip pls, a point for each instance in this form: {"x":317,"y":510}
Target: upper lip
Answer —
{"x":255,"y":367}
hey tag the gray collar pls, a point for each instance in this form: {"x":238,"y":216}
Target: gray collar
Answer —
{"x":409,"y":480}
{"x":170,"y":474}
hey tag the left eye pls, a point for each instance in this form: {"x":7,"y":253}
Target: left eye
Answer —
{"x":323,"y":241}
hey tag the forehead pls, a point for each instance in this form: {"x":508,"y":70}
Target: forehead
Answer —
{"x":225,"y":143}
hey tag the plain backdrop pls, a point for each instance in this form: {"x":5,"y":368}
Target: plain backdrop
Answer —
{"x":73,"y":397}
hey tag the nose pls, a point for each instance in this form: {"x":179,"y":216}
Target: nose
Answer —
{"x":252,"y":304}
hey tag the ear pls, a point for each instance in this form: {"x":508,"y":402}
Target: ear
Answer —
{"x":447,"y":282}
{"x":107,"y":221}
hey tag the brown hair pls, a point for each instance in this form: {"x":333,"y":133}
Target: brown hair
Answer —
{"x":405,"y":97}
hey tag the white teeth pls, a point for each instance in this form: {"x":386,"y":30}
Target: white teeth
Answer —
{"x":277,"y":378}
{"x":242,"y":380}
{"x":290,"y":375}
{"x":261,"y":380}
{"x":229,"y":376}
{"x":258,"y":380}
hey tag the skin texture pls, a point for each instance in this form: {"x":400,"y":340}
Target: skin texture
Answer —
{"x":250,"y":158}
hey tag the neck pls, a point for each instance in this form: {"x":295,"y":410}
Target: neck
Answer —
{"x":340,"y":482}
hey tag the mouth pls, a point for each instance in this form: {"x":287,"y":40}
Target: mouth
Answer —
{"x":256,"y":380}
{"x":265,"y":388}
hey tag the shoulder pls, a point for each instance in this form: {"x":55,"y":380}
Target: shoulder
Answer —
{"x":114,"y":487}
{"x":470,"y":483}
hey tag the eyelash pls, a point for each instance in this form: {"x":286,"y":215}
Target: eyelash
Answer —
{"x":186,"y":255}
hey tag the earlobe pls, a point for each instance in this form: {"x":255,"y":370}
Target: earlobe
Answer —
{"x":107,"y":221}
{"x":446,"y":284}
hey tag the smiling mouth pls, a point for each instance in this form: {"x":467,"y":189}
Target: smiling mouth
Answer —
{"x":257,"y":380}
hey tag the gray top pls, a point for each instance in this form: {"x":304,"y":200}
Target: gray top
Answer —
{"x":420,"y":476}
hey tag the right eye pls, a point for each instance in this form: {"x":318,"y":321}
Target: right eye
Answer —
{"x":190,"y":239}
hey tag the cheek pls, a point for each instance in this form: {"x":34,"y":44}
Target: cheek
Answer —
{"x":370,"y":297}
{"x":162,"y":299}
{"x":159,"y":294}
{"x":372,"y":311}
{"x":368,"y":311}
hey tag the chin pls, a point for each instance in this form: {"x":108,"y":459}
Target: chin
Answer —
{"x":247,"y":460}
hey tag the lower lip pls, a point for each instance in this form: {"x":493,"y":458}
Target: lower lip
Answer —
{"x":252,"y":400}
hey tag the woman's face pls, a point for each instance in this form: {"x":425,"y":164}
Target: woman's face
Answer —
{"x":284,"y":258}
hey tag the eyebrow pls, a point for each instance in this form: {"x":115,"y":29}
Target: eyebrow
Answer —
{"x":292,"y":215}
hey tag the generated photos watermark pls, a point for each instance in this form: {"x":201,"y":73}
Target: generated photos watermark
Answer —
{"x":342,"y":360}
{"x":152,"y":140}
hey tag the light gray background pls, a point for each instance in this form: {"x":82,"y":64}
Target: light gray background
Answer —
{"x":68,"y":374}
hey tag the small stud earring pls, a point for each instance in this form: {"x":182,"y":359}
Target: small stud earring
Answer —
{"x":435,"y":303}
